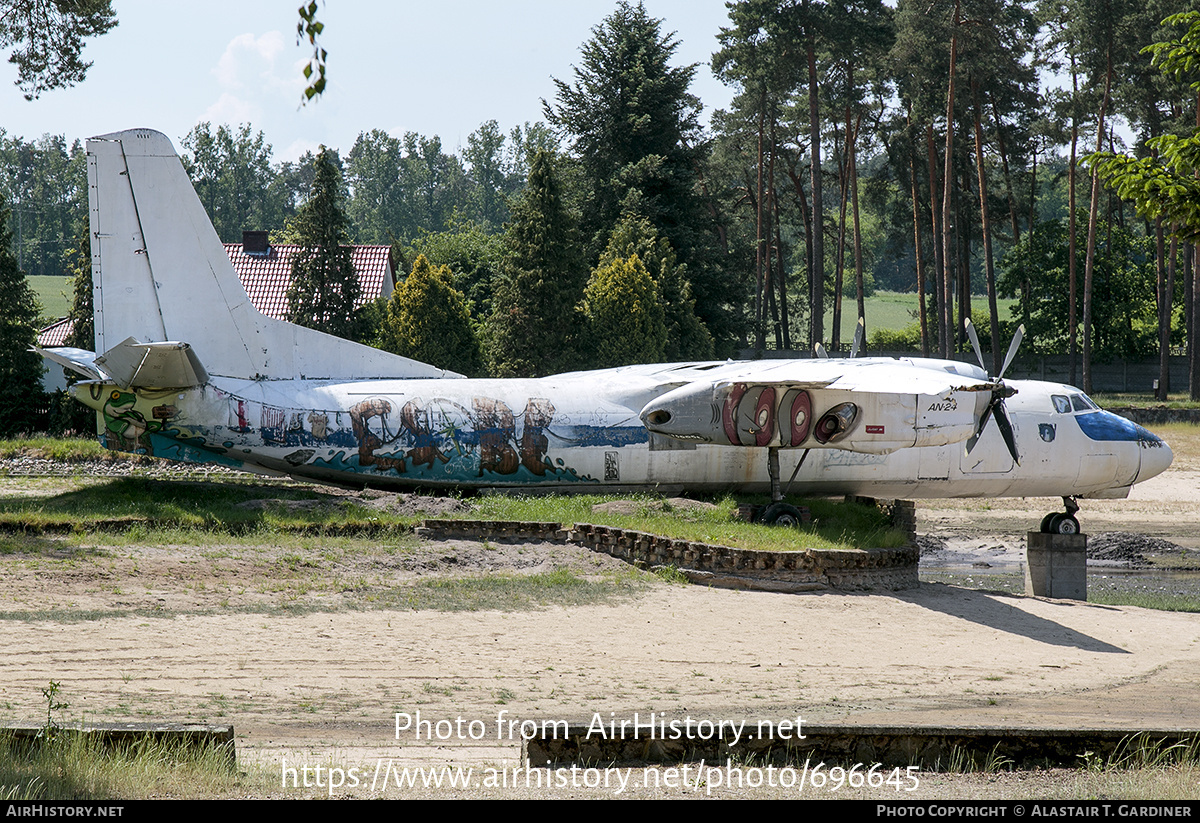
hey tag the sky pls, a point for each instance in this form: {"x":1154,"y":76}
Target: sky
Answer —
{"x":437,"y":68}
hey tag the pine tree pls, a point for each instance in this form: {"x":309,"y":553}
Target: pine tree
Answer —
{"x":638,"y":147}
{"x":21,"y":395}
{"x":533,"y":327}
{"x":324,"y":285}
{"x":428,"y":320}
{"x":624,"y":314}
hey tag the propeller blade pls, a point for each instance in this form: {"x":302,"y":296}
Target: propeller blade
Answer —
{"x":858,"y":338}
{"x":820,"y":352}
{"x":983,"y":419}
{"x":1006,"y":431}
{"x":975,"y":344}
{"x":1012,"y":349}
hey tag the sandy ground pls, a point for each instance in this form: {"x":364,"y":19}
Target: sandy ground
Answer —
{"x":326,"y":687}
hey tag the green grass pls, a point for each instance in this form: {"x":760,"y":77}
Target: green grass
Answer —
{"x":1160,"y":601}
{"x":69,"y":450}
{"x":512,"y":592}
{"x":1117,"y":400}
{"x":74,"y":766}
{"x":896,"y":310}
{"x":836,"y":525}
{"x":222,"y":506}
{"x":53,"y":295}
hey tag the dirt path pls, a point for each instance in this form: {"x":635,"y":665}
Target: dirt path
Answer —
{"x":327,"y":685}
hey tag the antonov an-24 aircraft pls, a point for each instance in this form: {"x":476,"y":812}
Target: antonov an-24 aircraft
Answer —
{"x":189,"y":370}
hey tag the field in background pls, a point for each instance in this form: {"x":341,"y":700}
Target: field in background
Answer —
{"x":885,"y":309}
{"x":53,"y":294}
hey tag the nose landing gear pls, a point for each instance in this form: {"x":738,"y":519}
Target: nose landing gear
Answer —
{"x":1062,"y":522}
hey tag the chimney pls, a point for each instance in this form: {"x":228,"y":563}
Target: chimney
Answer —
{"x":255,"y":244}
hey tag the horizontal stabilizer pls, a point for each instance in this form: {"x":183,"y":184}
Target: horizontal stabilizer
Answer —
{"x":167,"y":365}
{"x":80,"y":361}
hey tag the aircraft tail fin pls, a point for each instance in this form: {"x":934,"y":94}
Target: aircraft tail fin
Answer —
{"x":160,"y":273}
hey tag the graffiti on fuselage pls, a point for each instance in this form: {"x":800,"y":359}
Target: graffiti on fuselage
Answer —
{"x":436,"y":439}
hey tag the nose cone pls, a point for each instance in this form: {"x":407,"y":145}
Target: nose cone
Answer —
{"x":1156,"y":455}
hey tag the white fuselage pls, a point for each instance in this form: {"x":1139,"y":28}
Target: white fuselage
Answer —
{"x":581,"y":432}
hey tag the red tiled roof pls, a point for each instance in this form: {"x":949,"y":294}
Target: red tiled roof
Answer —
{"x":266,"y":279}
{"x":55,"y":334}
{"x":266,"y":282}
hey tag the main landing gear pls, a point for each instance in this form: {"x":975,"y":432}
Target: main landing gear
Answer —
{"x":1062,"y":522}
{"x":780,"y":513}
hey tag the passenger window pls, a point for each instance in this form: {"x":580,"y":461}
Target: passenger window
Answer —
{"x":1061,"y":404}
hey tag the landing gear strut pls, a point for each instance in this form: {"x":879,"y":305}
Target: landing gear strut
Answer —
{"x":780,"y":513}
{"x":1062,"y":522}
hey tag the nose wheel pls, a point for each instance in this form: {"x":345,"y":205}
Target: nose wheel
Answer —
{"x":1062,"y":522}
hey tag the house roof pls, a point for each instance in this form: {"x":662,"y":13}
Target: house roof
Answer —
{"x":55,"y":334}
{"x":266,"y":279}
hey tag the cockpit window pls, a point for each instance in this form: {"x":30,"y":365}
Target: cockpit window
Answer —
{"x":1061,"y":404}
{"x":1081,"y":403}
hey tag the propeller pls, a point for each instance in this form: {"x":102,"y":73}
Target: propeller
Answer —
{"x":995,"y":407}
{"x":856,"y":346}
{"x":820,"y":352}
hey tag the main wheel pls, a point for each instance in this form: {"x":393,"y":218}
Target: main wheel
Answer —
{"x":1063,"y":523}
{"x":782,"y":514}
{"x":1045,"y":528}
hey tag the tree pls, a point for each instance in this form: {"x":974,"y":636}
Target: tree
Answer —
{"x":428,"y":320}
{"x":231,"y":171}
{"x":21,"y":396}
{"x":1124,"y":319}
{"x":632,"y":123}
{"x":1165,"y":185}
{"x":634,"y":134}
{"x":686,"y":336}
{"x":533,"y":327}
{"x":624,"y":314}
{"x":82,"y":315}
{"x":324,"y":287}
{"x":472,"y":255}
{"x":47,"y":40}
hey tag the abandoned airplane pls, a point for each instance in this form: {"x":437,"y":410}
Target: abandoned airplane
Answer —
{"x":186,"y":368}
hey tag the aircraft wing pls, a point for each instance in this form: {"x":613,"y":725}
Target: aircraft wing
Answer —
{"x":875,"y":406}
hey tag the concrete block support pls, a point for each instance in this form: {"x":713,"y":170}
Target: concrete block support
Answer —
{"x":1056,"y":565}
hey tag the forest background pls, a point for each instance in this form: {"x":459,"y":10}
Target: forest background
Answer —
{"x":927,"y":148}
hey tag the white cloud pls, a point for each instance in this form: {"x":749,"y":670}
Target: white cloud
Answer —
{"x":297,"y":148}
{"x":252,"y":62}
{"x":232,"y":109}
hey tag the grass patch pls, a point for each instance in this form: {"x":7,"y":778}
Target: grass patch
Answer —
{"x":66,"y":449}
{"x":53,"y":294}
{"x":133,"y":502}
{"x":510,"y":592}
{"x":836,"y":525}
{"x":1160,"y":601}
{"x":71,"y":765}
{"x":1118,"y":400}
{"x":896,"y":310}
{"x":142,"y":509}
